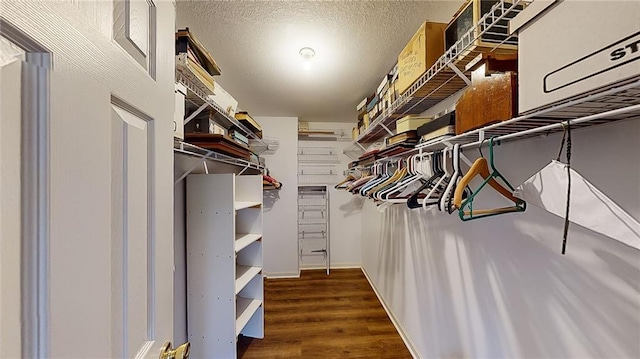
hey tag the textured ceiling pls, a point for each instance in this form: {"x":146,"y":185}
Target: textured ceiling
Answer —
{"x":256,"y":44}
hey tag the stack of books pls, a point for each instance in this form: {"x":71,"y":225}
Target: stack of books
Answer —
{"x":440,"y":127}
{"x":194,"y":61}
{"x":248,"y":121}
{"x":238,"y":136}
{"x":219,"y":143}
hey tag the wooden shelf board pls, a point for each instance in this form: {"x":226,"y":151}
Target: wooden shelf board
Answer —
{"x":245,"y":309}
{"x":244,"y":274}
{"x":245,"y":239}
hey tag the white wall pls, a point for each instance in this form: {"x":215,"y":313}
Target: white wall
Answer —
{"x":499,"y":287}
{"x":280,"y":248}
{"x":344,"y":208}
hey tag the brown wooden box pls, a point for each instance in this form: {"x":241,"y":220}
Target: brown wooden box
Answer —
{"x":489,"y":99}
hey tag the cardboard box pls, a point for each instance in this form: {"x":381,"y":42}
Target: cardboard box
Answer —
{"x":223,"y":99}
{"x":422,"y":51}
{"x":411,"y":122}
{"x":496,"y":40}
{"x":576,"y":47}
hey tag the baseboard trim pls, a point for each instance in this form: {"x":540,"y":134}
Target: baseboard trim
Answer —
{"x":399,"y":328}
{"x":282,"y":275}
{"x":333,"y":266}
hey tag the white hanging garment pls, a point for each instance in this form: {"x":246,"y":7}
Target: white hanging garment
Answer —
{"x":589,"y":207}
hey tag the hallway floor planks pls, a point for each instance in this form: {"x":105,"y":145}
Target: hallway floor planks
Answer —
{"x":320,"y":316}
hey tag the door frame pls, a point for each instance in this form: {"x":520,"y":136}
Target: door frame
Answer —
{"x":34,"y":198}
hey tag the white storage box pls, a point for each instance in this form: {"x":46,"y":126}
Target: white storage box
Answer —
{"x":223,"y":99}
{"x":574,"y":47}
{"x":178,"y":115}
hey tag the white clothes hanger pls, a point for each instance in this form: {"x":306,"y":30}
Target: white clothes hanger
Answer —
{"x":441,"y":182}
{"x":455,"y":178}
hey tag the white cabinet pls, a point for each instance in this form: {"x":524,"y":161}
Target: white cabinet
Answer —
{"x":224,"y":262}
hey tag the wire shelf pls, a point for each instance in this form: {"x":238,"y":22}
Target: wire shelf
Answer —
{"x":444,"y":78}
{"x":318,"y":220}
{"x":199,"y":96}
{"x":266,"y":146}
{"x":187,"y":149}
{"x":312,"y":207}
{"x":618,"y":102}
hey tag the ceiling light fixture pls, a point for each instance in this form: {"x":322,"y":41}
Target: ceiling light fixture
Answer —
{"x":307,"y":54}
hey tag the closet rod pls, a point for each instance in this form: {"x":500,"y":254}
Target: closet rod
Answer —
{"x":522,"y":133}
{"x":557,"y":125}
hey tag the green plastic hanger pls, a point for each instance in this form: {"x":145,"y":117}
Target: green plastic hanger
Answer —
{"x":490,"y":174}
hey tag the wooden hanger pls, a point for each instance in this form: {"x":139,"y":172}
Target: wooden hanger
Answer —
{"x":350,"y":177}
{"x":480,"y":167}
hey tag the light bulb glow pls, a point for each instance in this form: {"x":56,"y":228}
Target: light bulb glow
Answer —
{"x":307,"y":54}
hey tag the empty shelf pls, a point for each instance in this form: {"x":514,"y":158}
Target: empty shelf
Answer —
{"x":244,"y":275}
{"x":245,"y":308}
{"x":243,"y":205}
{"x":245,"y":239}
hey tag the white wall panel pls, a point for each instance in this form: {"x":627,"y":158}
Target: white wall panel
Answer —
{"x":280,"y":248}
{"x":499,"y":287}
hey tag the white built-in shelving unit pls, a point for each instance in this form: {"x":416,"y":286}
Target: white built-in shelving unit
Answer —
{"x":313,"y":227}
{"x":224,"y":262}
{"x":318,"y":165}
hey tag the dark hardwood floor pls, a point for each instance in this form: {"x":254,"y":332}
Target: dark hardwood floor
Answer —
{"x":320,"y":316}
